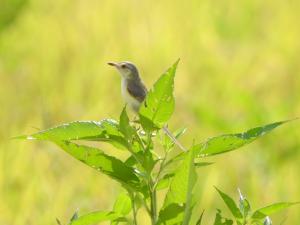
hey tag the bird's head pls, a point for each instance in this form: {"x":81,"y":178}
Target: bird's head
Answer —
{"x":127,"y":69}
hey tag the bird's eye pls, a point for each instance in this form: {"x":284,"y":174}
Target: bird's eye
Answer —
{"x":123,"y":66}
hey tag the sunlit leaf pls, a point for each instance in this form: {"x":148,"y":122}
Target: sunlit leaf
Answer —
{"x":271,"y":209}
{"x":171,"y":214}
{"x":244,"y":205}
{"x":219,"y":220}
{"x":98,"y":160}
{"x":229,"y":142}
{"x":177,"y":206}
{"x":159,"y":104}
{"x":125,"y":128}
{"x":165,"y":181}
{"x":104,"y":130}
{"x":142,"y":160}
{"x":202,"y":164}
{"x":199,"y":221}
{"x":167,"y":178}
{"x":74,"y":217}
{"x":268,"y":221}
{"x":122,"y":205}
{"x":230,"y":204}
{"x":95,"y":218}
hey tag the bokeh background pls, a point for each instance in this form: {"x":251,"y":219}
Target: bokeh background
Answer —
{"x":239,"y":68}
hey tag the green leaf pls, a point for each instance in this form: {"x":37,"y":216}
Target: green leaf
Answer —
{"x":98,"y":160}
{"x":95,"y":218}
{"x":244,"y":205}
{"x":104,"y":130}
{"x":167,"y":178}
{"x":177,"y":206}
{"x":202,"y":164}
{"x":219,"y":220}
{"x":125,"y":127}
{"x":165,"y":181}
{"x":183,"y":181}
{"x":74,"y":217}
{"x":199,"y":221}
{"x":230,"y":204}
{"x":145,"y":161}
{"x":271,"y":209}
{"x":171,"y":214}
{"x":229,"y":142}
{"x":159,"y":104}
{"x":267,"y":221}
{"x":122,"y":205}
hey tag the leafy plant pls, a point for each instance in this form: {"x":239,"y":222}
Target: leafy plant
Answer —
{"x":243,"y":214}
{"x":145,"y":172}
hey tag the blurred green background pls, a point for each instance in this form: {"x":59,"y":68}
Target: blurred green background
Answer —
{"x":239,"y":68}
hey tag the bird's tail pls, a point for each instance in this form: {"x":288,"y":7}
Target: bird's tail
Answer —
{"x":171,"y":136}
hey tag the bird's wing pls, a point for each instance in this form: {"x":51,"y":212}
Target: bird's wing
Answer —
{"x":137,"y":90}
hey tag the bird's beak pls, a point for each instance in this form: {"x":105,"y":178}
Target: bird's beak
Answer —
{"x":113,"y":64}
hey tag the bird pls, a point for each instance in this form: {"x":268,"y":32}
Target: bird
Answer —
{"x":134,"y":91}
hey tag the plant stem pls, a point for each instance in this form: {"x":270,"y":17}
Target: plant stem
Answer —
{"x":161,"y":168}
{"x":146,"y":207}
{"x":151,"y":186}
{"x":133,"y":208}
{"x":153,"y":203}
{"x":140,"y":141}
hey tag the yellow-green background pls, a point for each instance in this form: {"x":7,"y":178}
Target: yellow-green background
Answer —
{"x":239,"y":68}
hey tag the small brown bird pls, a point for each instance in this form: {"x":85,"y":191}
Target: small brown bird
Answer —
{"x":134,"y":91}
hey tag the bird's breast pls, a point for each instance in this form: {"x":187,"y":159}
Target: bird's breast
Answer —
{"x":133,"y":103}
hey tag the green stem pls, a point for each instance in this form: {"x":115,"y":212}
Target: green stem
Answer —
{"x":140,"y":141}
{"x":133,"y":209}
{"x":148,"y":141}
{"x":161,"y":168}
{"x":146,"y":206}
{"x":153,"y":204}
{"x":151,"y":186}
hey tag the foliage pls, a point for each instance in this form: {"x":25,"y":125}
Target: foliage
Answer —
{"x":243,"y":214}
{"x":145,"y":172}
